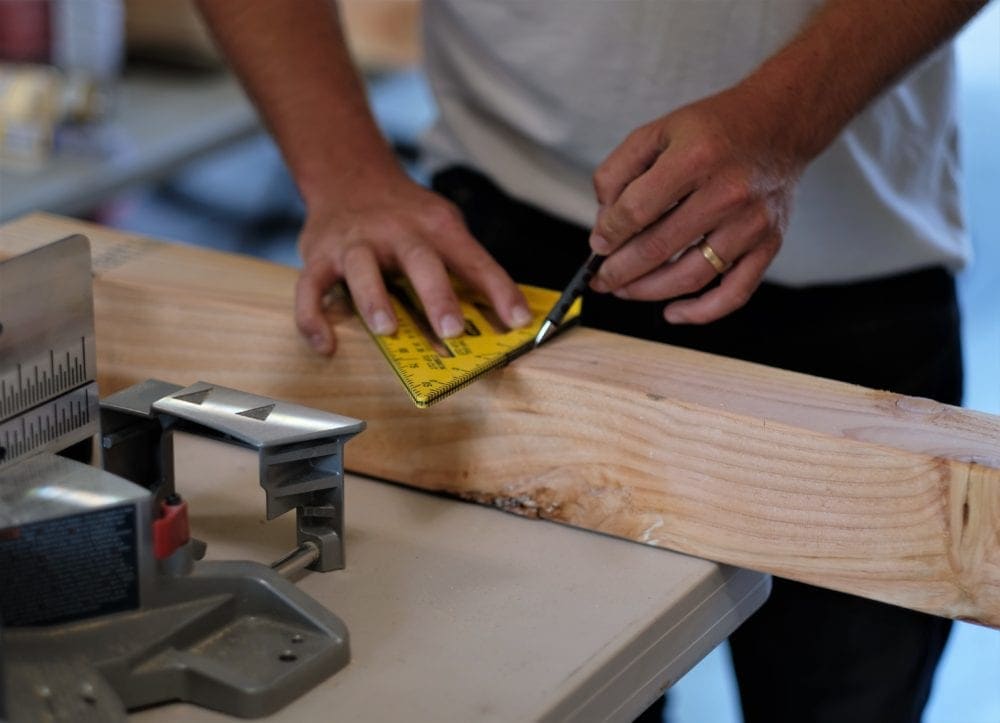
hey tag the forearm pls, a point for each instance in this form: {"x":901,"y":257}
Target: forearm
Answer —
{"x":845,"y":56}
{"x":707,"y":189}
{"x":294,"y":62}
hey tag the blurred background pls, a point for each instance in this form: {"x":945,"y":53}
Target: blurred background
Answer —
{"x":122,"y":112}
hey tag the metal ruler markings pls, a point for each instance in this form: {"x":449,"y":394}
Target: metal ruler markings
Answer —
{"x":48,"y":394}
{"x":55,"y":424}
{"x":47,"y":375}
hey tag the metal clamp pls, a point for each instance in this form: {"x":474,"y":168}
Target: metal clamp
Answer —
{"x":300,"y":453}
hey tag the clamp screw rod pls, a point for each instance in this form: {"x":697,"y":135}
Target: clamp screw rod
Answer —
{"x":298,"y":559}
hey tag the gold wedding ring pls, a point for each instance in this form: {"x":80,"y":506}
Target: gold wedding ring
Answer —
{"x":713,"y":258}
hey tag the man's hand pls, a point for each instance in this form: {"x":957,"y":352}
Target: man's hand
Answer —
{"x":724,"y":169}
{"x":364,"y":214}
{"x":397,"y":226}
{"x":713,"y":170}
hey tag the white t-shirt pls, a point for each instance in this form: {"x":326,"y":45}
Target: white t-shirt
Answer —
{"x":535,"y":93}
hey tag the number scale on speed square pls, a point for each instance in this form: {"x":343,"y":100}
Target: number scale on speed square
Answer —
{"x":431,"y":368}
{"x":48,"y":392}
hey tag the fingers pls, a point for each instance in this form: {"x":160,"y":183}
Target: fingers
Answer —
{"x":643,"y":199}
{"x":358,"y":264}
{"x":429,"y":277}
{"x":417,"y":233}
{"x":698,"y":215}
{"x":364,"y":279}
{"x":627,"y":161}
{"x":688,"y":274}
{"x":745,"y":244}
{"x":477,"y":268}
{"x":428,"y":269}
{"x":738,"y":285}
{"x":691,"y":270}
{"x":450,"y":247}
{"x":314,"y":281}
{"x":733,"y":206}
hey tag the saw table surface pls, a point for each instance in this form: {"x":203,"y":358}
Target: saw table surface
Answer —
{"x":458,"y":612}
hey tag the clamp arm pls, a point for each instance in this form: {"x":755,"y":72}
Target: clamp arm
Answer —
{"x":300,"y":452}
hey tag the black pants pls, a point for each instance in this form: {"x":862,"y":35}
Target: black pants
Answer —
{"x":808,"y":654}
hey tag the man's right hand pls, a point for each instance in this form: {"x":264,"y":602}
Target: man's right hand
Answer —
{"x":395,"y":225}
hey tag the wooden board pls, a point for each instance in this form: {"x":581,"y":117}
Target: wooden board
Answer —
{"x":872,"y":493}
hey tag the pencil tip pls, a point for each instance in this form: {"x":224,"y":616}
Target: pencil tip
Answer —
{"x":547,"y":330}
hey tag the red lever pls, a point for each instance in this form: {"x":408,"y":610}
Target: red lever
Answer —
{"x":171,"y":529}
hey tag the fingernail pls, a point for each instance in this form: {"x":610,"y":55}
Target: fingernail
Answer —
{"x":318,"y":342}
{"x":599,"y":285}
{"x":451,"y":326}
{"x":675,"y":317}
{"x":599,"y":244}
{"x":520,"y":316}
{"x":622,"y":293}
{"x":381,"y":323}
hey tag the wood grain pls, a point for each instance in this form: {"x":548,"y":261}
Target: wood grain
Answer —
{"x":864,"y":491}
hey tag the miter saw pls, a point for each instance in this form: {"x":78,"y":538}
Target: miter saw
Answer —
{"x":105,"y":603}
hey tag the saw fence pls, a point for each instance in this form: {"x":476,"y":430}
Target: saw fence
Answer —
{"x":889,"y":497}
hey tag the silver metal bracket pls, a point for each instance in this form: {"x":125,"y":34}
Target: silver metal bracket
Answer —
{"x":102,"y":607}
{"x":300,"y":451}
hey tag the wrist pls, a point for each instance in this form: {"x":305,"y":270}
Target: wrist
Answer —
{"x":760,"y":123}
{"x":784,"y":103}
{"x":325,"y":181}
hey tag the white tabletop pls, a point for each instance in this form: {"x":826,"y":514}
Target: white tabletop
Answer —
{"x":161,"y":120}
{"x":459,"y":612}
